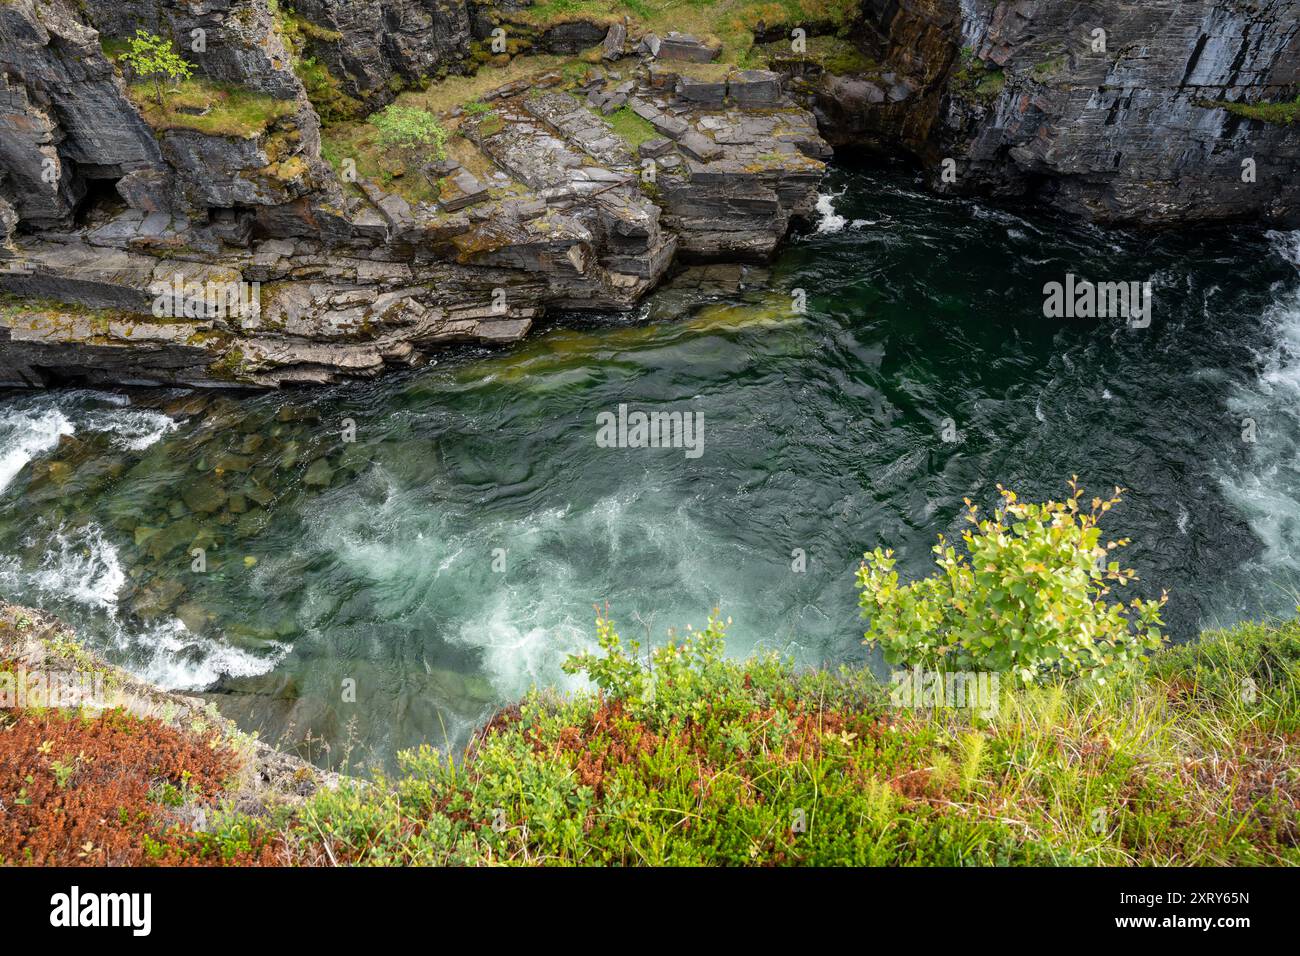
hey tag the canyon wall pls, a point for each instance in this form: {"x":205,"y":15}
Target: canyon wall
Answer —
{"x":1144,"y":113}
{"x":1158,"y":113}
{"x":117,"y":202}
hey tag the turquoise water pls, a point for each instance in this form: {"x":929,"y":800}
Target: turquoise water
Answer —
{"x":451,"y":555}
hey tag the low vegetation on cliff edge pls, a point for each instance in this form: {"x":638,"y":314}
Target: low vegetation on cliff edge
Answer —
{"x":1065,"y":754}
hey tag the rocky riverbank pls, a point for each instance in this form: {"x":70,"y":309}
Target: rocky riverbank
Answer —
{"x":709,"y":771}
{"x":588,"y":153}
{"x":86,"y":801}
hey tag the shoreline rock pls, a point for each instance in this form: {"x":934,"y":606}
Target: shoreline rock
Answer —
{"x":351,"y":282}
{"x":268,"y":780}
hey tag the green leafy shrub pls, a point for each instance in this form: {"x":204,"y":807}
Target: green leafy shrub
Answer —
{"x":1029,"y":601}
{"x":410,"y":128}
{"x":151,"y":58}
{"x":676,"y":681}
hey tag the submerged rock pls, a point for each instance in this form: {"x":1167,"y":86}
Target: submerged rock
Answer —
{"x":319,"y":474}
{"x":203,"y":496}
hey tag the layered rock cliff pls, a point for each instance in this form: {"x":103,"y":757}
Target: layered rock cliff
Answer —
{"x":577,"y":178}
{"x":541,"y":204}
{"x":1152,"y":113}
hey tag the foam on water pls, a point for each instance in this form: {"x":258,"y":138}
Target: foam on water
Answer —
{"x":830,"y":220}
{"x":81,"y":569}
{"x":27,"y":433}
{"x":1266,"y":487}
{"x":438,"y":571}
{"x":422,"y":563}
{"x":130,"y":428}
{"x":169,"y":655}
{"x":33,"y":426}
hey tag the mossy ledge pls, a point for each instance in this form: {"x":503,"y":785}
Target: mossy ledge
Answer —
{"x":1188,"y":762}
{"x":1279,"y":114}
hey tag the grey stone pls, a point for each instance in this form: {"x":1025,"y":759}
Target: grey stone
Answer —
{"x":704,"y":92}
{"x":150,"y":190}
{"x":700,"y":146}
{"x":615,"y":101}
{"x":572,"y":36}
{"x":612,"y":47}
{"x":655,"y":147}
{"x":755,"y":87}
{"x":669,"y":126}
{"x":683,"y":46}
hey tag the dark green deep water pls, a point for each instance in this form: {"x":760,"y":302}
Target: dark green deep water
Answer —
{"x":374,"y":560}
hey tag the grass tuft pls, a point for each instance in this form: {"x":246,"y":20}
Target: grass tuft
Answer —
{"x":211,"y":108}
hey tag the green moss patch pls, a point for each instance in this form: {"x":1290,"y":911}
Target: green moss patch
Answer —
{"x":324,"y":89}
{"x":210,"y":108}
{"x":730,"y":21}
{"x":632,"y":128}
{"x":976,"y":80}
{"x":1281,"y":114}
{"x":830,"y":54}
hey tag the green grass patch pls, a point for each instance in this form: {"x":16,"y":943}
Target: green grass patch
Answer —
{"x":362,"y":143}
{"x":976,"y":80}
{"x":831,"y":53}
{"x":697,"y":760}
{"x":210,"y":108}
{"x":1281,"y":114}
{"x":730,"y":21}
{"x":1049,"y":67}
{"x":633,"y":129}
{"x":443,"y":97}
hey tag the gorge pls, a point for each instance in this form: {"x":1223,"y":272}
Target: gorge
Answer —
{"x":913,"y":177}
{"x":260,"y":169}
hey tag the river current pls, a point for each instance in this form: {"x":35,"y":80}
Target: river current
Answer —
{"x":437,"y":540}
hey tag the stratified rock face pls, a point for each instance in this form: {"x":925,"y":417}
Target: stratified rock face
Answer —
{"x":374,"y":46}
{"x":1101,"y":108}
{"x":64,"y":117}
{"x":1109,"y":107}
{"x":544,"y":205}
{"x":8,"y":225}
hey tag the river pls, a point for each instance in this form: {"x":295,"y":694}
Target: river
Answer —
{"x":384,"y":563}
